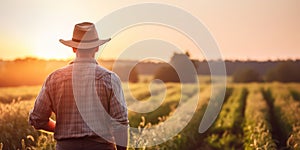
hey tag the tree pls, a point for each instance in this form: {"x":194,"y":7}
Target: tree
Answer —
{"x":133,"y":75}
{"x":246,"y":75}
{"x":184,"y":67}
{"x":284,"y":72}
{"x":127,"y":73}
{"x":167,"y":74}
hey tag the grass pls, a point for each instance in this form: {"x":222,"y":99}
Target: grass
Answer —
{"x":9,"y":94}
{"x":235,"y":128}
{"x":16,"y":133}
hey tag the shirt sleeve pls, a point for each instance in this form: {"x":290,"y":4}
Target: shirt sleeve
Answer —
{"x":118,"y":107}
{"x":39,"y":115}
{"x":118,"y":112}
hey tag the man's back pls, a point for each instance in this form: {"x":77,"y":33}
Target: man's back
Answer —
{"x":58,"y":97}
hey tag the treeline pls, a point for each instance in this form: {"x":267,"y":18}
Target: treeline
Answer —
{"x":32,"y":71}
{"x":232,"y":66}
{"x":287,"y":71}
{"x":241,"y":71}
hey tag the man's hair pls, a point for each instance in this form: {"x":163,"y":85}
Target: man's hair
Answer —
{"x":89,"y":50}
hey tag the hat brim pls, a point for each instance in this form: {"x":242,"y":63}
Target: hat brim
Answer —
{"x":81,"y":45}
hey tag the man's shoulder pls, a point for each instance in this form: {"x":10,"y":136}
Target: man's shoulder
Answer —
{"x":102,"y":72}
{"x":61,"y":73}
{"x":65,"y":73}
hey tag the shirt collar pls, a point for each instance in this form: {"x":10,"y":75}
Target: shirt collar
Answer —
{"x":84,"y":60}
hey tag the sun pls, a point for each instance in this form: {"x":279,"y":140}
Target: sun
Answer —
{"x":52,"y":50}
{"x":48,"y":54}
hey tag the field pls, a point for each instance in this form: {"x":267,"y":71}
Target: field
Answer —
{"x":253,"y":116}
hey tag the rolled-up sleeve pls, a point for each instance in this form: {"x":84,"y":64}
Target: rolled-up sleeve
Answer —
{"x":39,"y":115}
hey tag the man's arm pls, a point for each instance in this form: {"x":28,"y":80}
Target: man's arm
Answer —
{"x":118,"y":112}
{"x":42,"y":125}
{"x":39,"y":116}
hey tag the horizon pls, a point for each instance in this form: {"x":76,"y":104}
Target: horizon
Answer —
{"x":149,"y":60}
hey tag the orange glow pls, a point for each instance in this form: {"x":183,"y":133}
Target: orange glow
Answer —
{"x":33,"y":28}
{"x":135,"y":34}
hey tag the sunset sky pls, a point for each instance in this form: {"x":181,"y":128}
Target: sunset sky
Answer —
{"x":251,"y":29}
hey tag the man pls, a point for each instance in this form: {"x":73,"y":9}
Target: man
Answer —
{"x":87,"y":99}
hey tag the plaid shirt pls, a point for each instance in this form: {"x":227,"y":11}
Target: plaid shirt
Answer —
{"x":57,"y":96}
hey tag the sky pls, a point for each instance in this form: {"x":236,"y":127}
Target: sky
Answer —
{"x":250,"y":29}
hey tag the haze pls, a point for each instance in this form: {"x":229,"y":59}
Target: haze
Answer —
{"x":251,"y":29}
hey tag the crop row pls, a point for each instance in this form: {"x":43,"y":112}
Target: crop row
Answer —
{"x":226,"y":131}
{"x":257,"y":128}
{"x":187,"y":137}
{"x":287,"y":112}
{"x":162,"y":104}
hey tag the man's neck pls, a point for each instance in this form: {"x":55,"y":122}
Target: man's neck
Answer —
{"x":85,"y":56}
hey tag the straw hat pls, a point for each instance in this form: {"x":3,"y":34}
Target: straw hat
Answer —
{"x":85,"y":36}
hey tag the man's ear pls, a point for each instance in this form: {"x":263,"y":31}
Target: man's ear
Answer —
{"x":97,"y":49}
{"x":74,"y":49}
